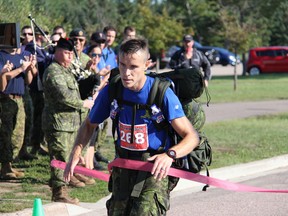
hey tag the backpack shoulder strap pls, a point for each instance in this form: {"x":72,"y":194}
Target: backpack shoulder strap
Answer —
{"x":157,"y":92}
{"x":115,"y":92}
{"x":115,"y":88}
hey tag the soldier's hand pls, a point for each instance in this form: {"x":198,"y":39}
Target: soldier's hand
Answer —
{"x":105,"y":71}
{"x":70,"y":166}
{"x":25,"y":65}
{"x":7,"y":67}
{"x":88,"y":103}
{"x":162,"y":164}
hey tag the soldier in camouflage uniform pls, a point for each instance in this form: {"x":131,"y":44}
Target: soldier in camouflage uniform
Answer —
{"x":61,"y":115}
{"x":14,"y":71}
{"x":138,"y":192}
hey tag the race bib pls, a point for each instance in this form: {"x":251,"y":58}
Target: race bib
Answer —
{"x":140,"y":143}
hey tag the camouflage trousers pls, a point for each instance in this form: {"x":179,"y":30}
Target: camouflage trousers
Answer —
{"x":152,"y":200}
{"x":60,"y":144}
{"x":12,"y":126}
{"x":195,"y":113}
{"x":37,"y":136}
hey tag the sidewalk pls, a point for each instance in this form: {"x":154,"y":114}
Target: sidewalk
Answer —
{"x":214,"y":113}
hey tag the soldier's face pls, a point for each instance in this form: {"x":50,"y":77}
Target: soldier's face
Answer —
{"x":79,"y":43}
{"x":132,"y":70}
{"x":63,"y":57}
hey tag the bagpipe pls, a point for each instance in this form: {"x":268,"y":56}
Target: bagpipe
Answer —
{"x":87,"y":80}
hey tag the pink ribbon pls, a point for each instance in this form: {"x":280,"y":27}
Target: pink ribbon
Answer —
{"x":82,"y":170}
{"x":147,"y":166}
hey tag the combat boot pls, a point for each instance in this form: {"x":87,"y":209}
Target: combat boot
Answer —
{"x":6,"y":171}
{"x":60,"y":194}
{"x":74,"y":182}
{"x":84,"y":179}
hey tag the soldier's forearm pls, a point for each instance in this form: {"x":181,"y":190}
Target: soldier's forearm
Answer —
{"x":84,"y":134}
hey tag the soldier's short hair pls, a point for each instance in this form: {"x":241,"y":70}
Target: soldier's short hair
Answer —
{"x":129,"y":47}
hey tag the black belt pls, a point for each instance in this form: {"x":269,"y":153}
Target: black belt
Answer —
{"x":11,"y":96}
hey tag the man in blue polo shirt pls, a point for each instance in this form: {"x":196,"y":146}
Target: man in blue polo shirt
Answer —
{"x":15,"y":69}
{"x":108,"y":54}
{"x":153,"y":198}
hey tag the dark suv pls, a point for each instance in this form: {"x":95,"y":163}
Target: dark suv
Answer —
{"x":267,"y":59}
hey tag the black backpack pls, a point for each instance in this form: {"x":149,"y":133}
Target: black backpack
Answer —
{"x":201,"y":156}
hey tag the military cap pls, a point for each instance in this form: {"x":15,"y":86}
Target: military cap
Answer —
{"x":77,"y":33}
{"x":66,"y":44}
{"x":98,"y":37}
{"x":187,"y":38}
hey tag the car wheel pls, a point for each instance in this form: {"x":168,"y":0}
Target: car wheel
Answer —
{"x":254,"y":71}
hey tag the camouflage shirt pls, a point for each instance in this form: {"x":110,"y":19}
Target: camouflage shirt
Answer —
{"x":62,"y":99}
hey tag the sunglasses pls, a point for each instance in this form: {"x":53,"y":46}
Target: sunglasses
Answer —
{"x":24,"y":34}
{"x":76,"y":39}
{"x":96,"y":54}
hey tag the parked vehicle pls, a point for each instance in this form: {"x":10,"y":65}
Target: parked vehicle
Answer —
{"x":267,"y":59}
{"x":212,"y":54}
{"x":225,"y":56}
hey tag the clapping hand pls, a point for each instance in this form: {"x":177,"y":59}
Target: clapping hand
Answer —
{"x":7,"y":67}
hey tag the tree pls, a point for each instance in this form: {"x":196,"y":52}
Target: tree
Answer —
{"x":279,"y":30}
{"x":160,"y":29}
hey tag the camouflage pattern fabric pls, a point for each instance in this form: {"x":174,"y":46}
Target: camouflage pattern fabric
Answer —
{"x":59,"y":145}
{"x":61,"y":115}
{"x":153,"y":199}
{"x":195,"y":113}
{"x":62,"y":100}
{"x":12,"y":117}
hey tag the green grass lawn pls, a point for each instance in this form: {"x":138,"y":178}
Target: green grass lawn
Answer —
{"x":248,"y":88}
{"x":232,"y":142}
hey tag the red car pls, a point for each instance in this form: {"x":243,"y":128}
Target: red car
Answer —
{"x":267,"y":59}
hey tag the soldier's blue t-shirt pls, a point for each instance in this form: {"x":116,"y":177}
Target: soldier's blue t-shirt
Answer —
{"x":172,"y":110}
{"x":16,"y":85}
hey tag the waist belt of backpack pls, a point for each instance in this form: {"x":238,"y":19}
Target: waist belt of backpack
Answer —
{"x":142,"y":175}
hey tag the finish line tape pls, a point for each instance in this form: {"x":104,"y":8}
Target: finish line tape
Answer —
{"x":147,"y":166}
